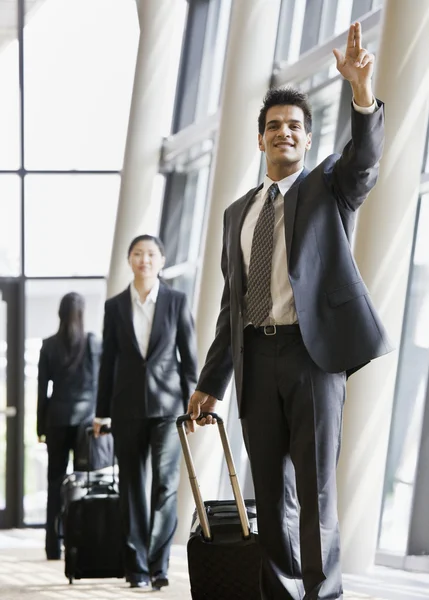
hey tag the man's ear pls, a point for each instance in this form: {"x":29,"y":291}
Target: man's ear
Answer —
{"x":261,"y":143}
{"x":308,"y":143}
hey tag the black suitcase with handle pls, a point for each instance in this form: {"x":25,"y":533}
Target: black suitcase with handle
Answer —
{"x":92,"y":530}
{"x":223,"y":552}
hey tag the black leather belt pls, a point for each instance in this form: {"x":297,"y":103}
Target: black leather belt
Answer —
{"x":273,"y":329}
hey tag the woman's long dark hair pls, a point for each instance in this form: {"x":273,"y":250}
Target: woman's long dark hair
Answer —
{"x":71,"y":330}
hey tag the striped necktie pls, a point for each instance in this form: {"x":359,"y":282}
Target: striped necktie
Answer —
{"x":259,"y":300}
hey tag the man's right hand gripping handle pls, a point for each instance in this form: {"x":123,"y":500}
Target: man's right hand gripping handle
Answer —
{"x":201,"y":402}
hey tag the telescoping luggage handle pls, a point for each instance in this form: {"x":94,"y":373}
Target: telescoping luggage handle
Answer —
{"x":238,"y":496}
{"x":90,"y":433}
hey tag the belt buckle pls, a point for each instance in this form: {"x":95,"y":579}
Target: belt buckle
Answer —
{"x":270,"y":330}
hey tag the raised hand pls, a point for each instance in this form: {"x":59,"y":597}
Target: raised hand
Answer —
{"x":357,"y":64}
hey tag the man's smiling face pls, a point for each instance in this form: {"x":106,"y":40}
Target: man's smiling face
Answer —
{"x":285,"y":140}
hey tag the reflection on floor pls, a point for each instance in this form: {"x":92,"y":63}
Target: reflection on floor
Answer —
{"x":24,"y":573}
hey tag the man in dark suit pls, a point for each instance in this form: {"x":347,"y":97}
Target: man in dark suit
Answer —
{"x":295,"y":320}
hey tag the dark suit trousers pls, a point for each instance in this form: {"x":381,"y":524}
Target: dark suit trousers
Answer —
{"x":291,"y":420}
{"x":59,"y":441}
{"x":148,"y":531}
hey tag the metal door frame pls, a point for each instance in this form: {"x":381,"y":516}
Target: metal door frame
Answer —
{"x":12,"y":292}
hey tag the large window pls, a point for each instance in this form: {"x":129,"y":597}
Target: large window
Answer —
{"x":410,"y":398}
{"x":67,"y":71}
{"x":325,"y":106}
{"x":305,"y":25}
{"x":201,"y":68}
{"x":9,"y":96}
{"x":187,"y":172}
{"x":182,"y":223}
{"x":79,"y":68}
{"x":69,"y":223}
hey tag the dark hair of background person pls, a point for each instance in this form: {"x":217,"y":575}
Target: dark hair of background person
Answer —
{"x":71,"y":330}
{"x":146,"y":238}
{"x":285,"y":96}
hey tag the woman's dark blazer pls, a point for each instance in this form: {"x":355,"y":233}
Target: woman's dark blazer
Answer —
{"x":131,"y":386}
{"x":73,"y":397}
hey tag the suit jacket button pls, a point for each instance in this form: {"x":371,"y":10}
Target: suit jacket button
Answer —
{"x":241,"y":350}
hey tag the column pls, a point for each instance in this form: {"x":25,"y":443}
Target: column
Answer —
{"x":248,"y":68}
{"x":382,"y":249}
{"x":150,"y":113}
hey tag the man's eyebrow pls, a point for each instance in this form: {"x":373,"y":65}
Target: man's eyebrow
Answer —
{"x":273,"y":121}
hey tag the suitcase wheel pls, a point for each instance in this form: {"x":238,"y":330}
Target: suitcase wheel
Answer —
{"x":70,"y":580}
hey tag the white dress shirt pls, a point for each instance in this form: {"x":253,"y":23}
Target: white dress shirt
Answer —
{"x":143,"y":313}
{"x":283,"y":310}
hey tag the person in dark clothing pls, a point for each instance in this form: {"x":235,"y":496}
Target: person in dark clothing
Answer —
{"x":148,"y":367}
{"x":70,"y":360}
{"x":296,"y":320}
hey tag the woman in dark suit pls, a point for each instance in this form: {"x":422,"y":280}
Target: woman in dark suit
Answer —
{"x":148,"y":369}
{"x":70,"y":360}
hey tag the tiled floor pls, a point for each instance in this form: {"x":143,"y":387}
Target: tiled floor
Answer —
{"x":25,"y":574}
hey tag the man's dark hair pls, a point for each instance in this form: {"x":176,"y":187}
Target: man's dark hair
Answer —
{"x":285,"y":96}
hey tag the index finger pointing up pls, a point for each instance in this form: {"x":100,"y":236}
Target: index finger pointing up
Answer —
{"x":358,"y":36}
{"x":354,"y":39}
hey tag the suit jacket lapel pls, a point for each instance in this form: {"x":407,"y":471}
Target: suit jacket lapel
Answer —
{"x":290,"y":202}
{"x":126,"y":311}
{"x":158,"y":324}
{"x":236,"y":241}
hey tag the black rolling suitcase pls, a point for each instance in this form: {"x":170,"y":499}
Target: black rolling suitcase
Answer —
{"x":92,"y":529}
{"x":223,"y":552}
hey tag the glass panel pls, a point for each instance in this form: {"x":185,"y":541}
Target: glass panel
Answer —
{"x":328,"y":21}
{"x":184,"y":283}
{"x":69,"y":224}
{"x":344,"y":15}
{"x":410,"y":396}
{"x":10,"y":225}
{"x":79,"y":70}
{"x":284,"y":31}
{"x":42,"y":302}
{"x":202,"y":61}
{"x":180,"y":8}
{"x":214,"y":57}
{"x":360,"y":8}
{"x":9,"y":96}
{"x":3,"y":400}
{"x":182,"y":221}
{"x":311,"y":26}
{"x":325,"y":104}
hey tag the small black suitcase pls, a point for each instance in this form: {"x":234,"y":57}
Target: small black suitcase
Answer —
{"x":92,"y":530}
{"x":223,"y":552}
